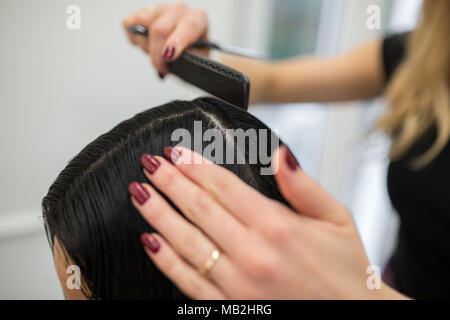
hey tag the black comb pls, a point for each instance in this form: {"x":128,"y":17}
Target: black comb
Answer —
{"x":217,"y":79}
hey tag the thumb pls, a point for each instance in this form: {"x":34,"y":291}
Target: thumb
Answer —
{"x":300,"y":190}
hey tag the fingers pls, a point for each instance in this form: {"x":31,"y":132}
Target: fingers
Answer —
{"x":186,"y":239}
{"x":245,"y":203}
{"x":305,"y":195}
{"x":171,"y":30}
{"x":192,"y":27}
{"x":186,"y":278}
{"x":196,"y":204}
{"x":189,"y":242}
{"x":143,"y":17}
{"x":159,"y":31}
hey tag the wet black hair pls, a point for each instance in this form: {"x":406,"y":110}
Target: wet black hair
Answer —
{"x":88,"y":207}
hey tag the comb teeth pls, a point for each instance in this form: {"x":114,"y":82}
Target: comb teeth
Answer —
{"x":227,"y":84}
{"x":217,"y":79}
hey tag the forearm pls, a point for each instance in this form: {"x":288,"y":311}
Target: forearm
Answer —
{"x":352,"y":76}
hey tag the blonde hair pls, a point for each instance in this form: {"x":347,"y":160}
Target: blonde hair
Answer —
{"x":419,"y":90}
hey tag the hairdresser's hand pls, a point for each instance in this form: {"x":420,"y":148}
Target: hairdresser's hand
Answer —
{"x":171,"y":30}
{"x":268,"y":251}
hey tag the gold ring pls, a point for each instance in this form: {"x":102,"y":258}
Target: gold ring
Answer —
{"x":215,"y":255}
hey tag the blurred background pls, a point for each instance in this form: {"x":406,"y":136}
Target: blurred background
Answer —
{"x":61,"y":88}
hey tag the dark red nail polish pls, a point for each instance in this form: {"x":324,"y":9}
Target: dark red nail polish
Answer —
{"x":291,"y":161}
{"x":168,"y":54}
{"x":161,"y":76}
{"x":138,"y":192}
{"x":171,"y":154}
{"x":150,"y":163}
{"x":150,"y":242}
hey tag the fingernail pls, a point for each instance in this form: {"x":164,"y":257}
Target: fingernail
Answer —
{"x":150,"y":242}
{"x":160,"y":75}
{"x":168,"y":54}
{"x":138,"y":192}
{"x":150,"y":163}
{"x":171,"y":154}
{"x":291,"y":161}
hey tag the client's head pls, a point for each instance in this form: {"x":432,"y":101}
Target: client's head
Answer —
{"x":90,"y":220}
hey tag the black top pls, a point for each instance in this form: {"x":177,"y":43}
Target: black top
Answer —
{"x":421,"y":261}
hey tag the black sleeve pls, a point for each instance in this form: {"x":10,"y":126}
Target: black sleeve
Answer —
{"x":394,"y":48}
